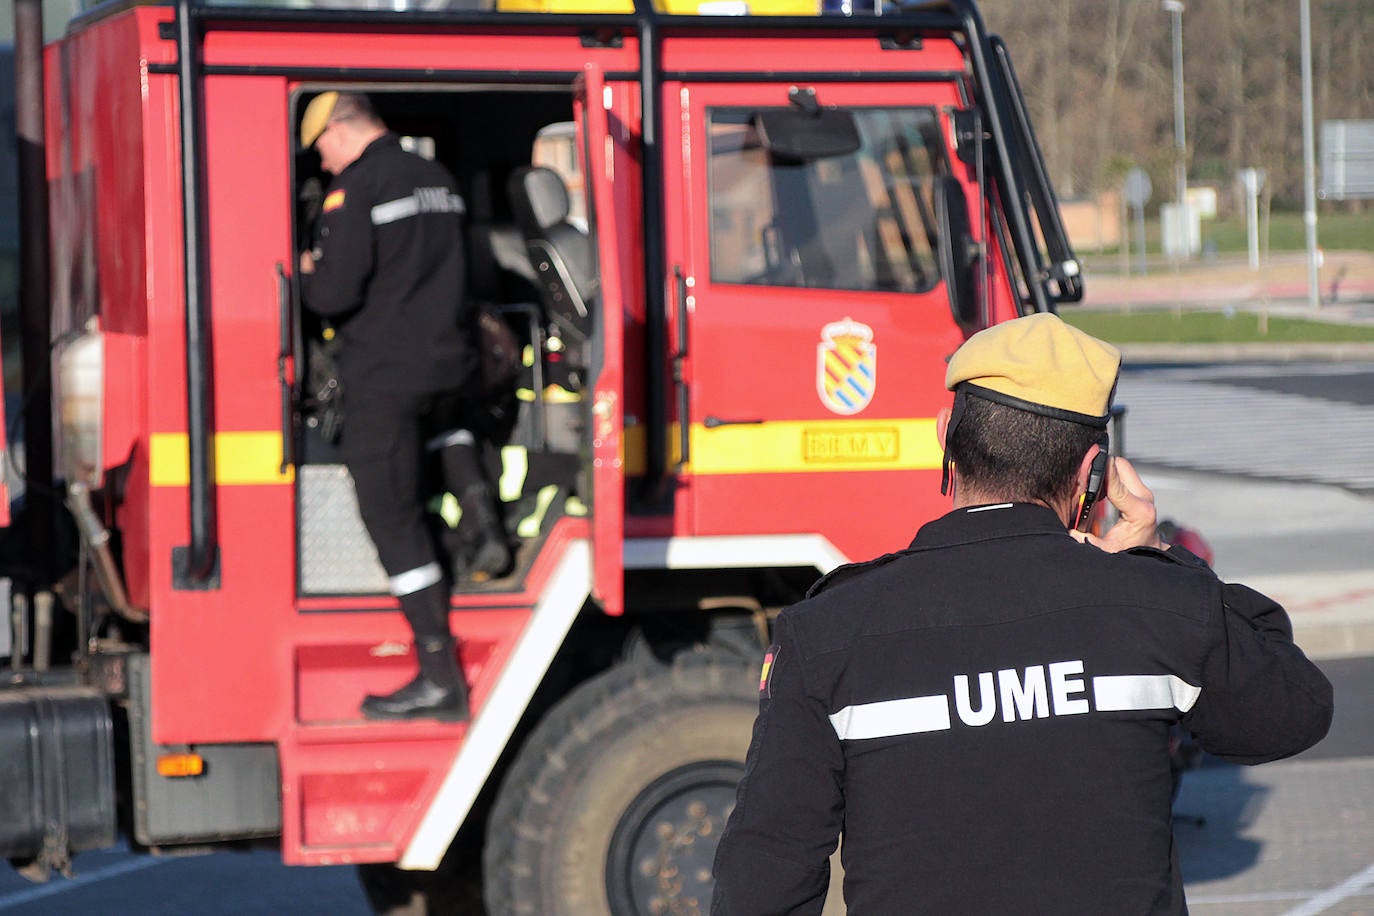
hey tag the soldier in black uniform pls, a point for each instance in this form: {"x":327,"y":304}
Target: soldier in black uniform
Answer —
{"x":985,"y":715}
{"x":388,"y":265}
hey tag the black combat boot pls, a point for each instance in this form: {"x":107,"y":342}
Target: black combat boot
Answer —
{"x":437,"y":692}
{"x":490,"y":556}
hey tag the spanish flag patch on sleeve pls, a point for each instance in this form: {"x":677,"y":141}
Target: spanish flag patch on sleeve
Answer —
{"x":333,"y":200}
{"x":766,"y":675}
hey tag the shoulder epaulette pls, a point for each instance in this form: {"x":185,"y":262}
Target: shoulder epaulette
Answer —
{"x":850,"y":571}
{"x":1175,"y":554}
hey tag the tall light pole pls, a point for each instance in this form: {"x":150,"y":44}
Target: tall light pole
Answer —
{"x":1175,"y":10}
{"x":1309,"y":168}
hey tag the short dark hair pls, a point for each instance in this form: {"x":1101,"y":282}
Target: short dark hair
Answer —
{"x":1018,"y":455}
{"x":352,"y":106}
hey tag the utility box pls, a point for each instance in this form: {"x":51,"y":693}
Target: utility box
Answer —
{"x":1180,"y":230}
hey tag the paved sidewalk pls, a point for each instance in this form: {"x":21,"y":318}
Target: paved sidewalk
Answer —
{"x":1144,"y":354}
{"x":1332,"y":613}
{"x":1304,"y":545}
{"x":1346,"y":285}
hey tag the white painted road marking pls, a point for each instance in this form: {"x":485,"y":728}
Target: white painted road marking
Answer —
{"x":1194,"y":419}
{"x":1351,"y":886}
{"x":62,"y":885}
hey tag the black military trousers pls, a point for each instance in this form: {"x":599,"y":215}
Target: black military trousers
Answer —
{"x":384,"y":445}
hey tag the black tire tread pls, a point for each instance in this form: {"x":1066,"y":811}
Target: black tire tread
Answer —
{"x":572,"y":735}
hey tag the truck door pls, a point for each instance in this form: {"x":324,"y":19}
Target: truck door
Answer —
{"x":602,"y":153}
{"x":819,"y":325}
{"x":4,"y":471}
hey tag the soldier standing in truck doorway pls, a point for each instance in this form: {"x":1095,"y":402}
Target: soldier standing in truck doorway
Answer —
{"x":387,"y":267}
{"x":986,"y":714}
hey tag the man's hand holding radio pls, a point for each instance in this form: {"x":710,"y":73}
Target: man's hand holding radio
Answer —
{"x":1135,"y":506}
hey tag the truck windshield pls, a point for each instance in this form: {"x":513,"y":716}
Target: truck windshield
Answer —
{"x":860,"y":221}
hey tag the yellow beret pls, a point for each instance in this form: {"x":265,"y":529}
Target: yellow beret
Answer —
{"x":316,"y":117}
{"x":1039,"y":363}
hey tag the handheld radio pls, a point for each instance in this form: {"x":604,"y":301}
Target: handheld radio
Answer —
{"x":1097,"y":481}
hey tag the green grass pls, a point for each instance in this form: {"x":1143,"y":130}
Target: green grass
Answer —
{"x":1335,"y":232}
{"x":1168,"y":326}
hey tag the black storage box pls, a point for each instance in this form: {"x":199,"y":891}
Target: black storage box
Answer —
{"x":57,"y":776}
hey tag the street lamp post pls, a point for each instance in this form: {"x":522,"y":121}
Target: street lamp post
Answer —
{"x":1175,"y":10}
{"x":1309,"y":156}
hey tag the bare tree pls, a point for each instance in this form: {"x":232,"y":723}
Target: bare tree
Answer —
{"x":1097,"y":76}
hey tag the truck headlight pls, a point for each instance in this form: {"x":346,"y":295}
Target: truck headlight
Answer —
{"x":80,"y":403}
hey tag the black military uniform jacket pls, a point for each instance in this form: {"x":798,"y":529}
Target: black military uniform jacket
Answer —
{"x":390,"y":266}
{"x":985,"y":716}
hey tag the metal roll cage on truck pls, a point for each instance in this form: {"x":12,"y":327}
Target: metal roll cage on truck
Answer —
{"x":736,"y":251}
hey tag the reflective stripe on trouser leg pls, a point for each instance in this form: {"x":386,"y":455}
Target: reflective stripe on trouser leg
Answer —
{"x":412,"y":580}
{"x":452,"y":437}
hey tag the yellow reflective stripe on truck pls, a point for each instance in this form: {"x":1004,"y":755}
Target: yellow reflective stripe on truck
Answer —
{"x":808,"y":446}
{"x":241,"y":458}
{"x":800,"y":447}
{"x":774,"y":447}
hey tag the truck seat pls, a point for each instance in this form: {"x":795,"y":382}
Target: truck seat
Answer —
{"x":562,"y":254}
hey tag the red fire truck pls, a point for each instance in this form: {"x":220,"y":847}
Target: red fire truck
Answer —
{"x":737,"y":251}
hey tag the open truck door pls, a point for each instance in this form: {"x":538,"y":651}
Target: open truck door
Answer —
{"x":593,"y":103}
{"x":4,"y":466}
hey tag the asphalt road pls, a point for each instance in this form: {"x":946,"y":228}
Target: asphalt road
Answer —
{"x":1295,"y":837}
{"x":1304,"y":423}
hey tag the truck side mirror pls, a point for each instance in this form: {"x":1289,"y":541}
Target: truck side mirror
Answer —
{"x":957,"y":252}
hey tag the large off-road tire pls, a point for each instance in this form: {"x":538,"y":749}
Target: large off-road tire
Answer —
{"x":616,"y":803}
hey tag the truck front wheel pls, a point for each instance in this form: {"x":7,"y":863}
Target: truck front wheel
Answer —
{"x":617,"y":801}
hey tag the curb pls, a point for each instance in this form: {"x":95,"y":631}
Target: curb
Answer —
{"x":1144,"y":353}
